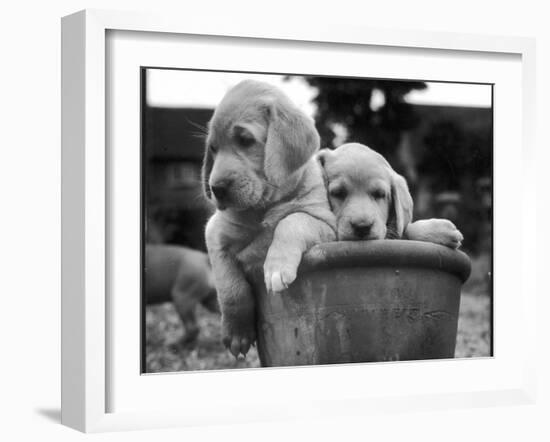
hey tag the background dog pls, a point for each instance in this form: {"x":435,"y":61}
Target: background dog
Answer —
{"x":182,"y":276}
{"x":371,"y":201}
{"x":271,"y":202}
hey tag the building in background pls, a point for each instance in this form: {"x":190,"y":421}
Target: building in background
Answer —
{"x":173,"y":149}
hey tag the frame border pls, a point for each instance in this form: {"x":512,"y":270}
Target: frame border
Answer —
{"x":85,"y":202}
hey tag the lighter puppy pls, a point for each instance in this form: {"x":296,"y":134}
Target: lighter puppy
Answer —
{"x":372,"y":201}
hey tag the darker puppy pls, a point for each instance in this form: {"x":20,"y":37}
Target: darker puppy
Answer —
{"x":260,"y":172}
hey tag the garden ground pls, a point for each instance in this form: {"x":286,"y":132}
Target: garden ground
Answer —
{"x":164,"y":328}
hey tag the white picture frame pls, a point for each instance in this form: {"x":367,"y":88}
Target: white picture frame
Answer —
{"x":87,"y":204}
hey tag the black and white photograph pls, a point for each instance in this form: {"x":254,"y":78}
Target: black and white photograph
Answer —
{"x":269,"y":221}
{"x":298,"y":220}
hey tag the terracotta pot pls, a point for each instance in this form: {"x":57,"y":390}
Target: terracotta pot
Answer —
{"x":365,"y":301}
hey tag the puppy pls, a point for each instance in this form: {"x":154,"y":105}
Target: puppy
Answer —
{"x":182,"y":276}
{"x":260,"y":172}
{"x":371,"y":201}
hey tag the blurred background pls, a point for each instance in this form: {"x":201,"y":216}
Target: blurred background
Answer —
{"x":437,"y":135}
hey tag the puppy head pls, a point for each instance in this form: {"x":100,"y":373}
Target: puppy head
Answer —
{"x":370,"y":200}
{"x":257,"y":139}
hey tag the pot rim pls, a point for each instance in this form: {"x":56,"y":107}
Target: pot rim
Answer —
{"x":385,"y":252}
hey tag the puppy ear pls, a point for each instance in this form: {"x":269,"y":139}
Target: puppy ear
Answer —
{"x":322,"y":158}
{"x":323,"y":155}
{"x":207,"y":164}
{"x":291,"y":141}
{"x":401,"y":210}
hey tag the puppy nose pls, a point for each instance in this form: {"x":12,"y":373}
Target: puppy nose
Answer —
{"x":361,"y":229}
{"x":221,"y":189}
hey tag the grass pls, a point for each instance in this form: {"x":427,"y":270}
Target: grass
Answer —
{"x":164,"y":329}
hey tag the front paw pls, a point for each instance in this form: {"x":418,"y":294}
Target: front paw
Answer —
{"x":446,"y":234}
{"x":278,"y":274}
{"x":238,"y":336}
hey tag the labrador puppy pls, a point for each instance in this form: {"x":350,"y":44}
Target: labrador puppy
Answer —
{"x":371,"y":201}
{"x":183,"y":276}
{"x":260,"y":172}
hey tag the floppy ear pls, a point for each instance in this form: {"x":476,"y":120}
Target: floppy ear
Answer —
{"x":401,"y":209}
{"x":291,"y":141}
{"x":323,"y":155}
{"x":207,"y":164}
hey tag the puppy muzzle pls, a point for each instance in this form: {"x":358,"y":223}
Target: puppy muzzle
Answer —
{"x":221,"y":190}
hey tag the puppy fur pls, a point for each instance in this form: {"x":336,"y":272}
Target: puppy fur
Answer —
{"x":371,"y":201}
{"x":260,"y":172}
{"x":182,"y":276}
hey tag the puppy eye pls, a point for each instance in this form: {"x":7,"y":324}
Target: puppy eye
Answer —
{"x":244,"y":140}
{"x":378,"y":194}
{"x":339,"y":193}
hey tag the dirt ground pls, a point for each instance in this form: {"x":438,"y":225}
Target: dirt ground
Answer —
{"x":164,"y":329}
{"x":474,"y":326}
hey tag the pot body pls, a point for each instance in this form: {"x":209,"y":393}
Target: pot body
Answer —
{"x":364,"y":302}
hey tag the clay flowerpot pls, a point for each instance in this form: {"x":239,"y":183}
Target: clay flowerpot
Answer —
{"x":365,"y":301}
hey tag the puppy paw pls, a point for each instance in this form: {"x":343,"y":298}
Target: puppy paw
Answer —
{"x":445,"y":233}
{"x":278,"y":275}
{"x":438,"y":231}
{"x":238,"y":338}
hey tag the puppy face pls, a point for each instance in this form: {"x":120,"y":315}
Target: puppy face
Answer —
{"x":257,"y":138}
{"x":369,"y":199}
